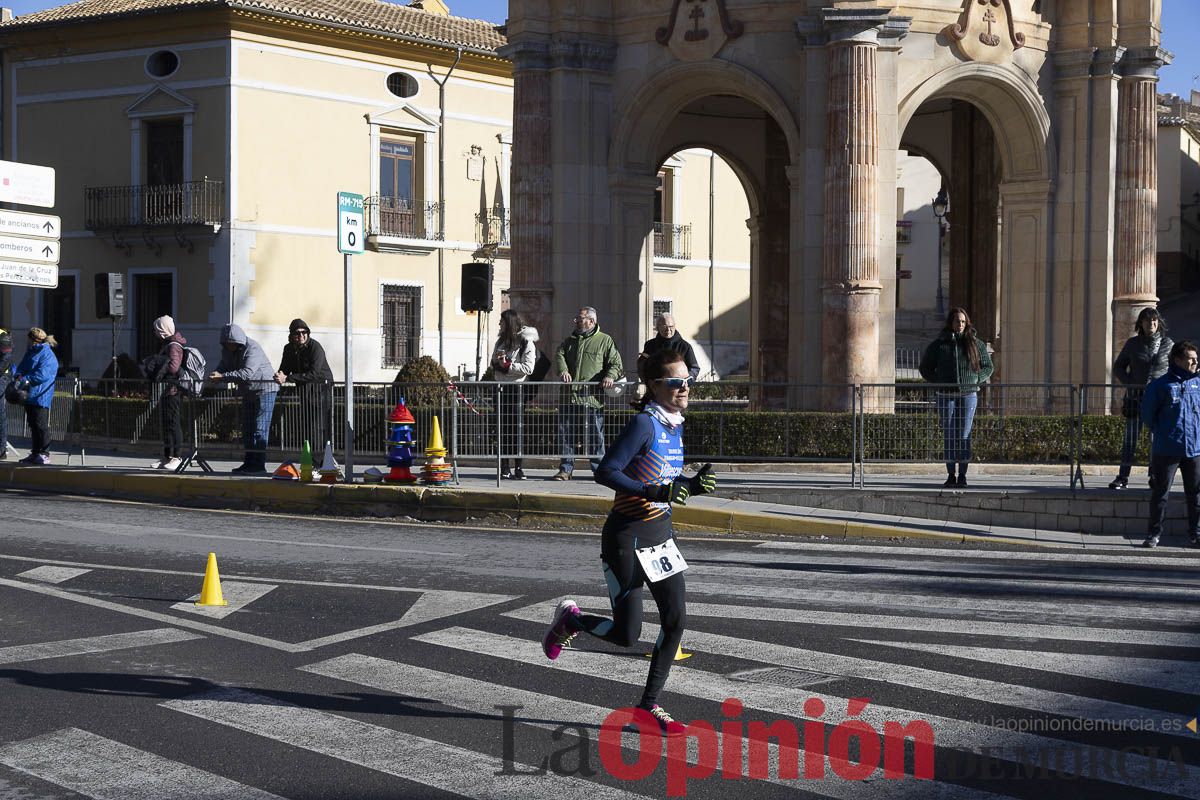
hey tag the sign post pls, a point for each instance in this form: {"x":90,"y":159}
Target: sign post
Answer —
{"x":29,"y":248}
{"x":351,"y":233}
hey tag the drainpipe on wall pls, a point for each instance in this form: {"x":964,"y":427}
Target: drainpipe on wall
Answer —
{"x":442,"y":203}
{"x":712,"y":264}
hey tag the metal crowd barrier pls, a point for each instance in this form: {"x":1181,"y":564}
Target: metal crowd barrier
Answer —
{"x":65,"y":426}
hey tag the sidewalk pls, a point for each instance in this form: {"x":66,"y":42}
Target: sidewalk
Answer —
{"x":1004,"y":505}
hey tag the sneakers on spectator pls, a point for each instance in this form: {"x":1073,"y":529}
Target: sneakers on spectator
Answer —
{"x":560,"y":631}
{"x":33,"y":459}
{"x":507,"y":474}
{"x":666,"y":723}
{"x":160,"y":464}
{"x":3,"y":455}
{"x":172,"y":464}
{"x":249,"y":469}
{"x":518,"y":474}
{"x":961,"y":482}
{"x":1194,"y":539}
{"x":561,"y":475}
{"x":950,"y":483}
{"x":1119,"y":482}
{"x":1151,"y":541}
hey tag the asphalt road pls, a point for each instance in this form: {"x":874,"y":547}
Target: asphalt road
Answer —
{"x":362,"y":659}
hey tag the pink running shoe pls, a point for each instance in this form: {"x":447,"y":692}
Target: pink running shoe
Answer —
{"x":666,"y":722}
{"x":560,"y":631}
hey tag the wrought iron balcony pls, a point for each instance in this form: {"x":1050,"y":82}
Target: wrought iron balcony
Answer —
{"x":401,"y":218}
{"x":672,"y":241}
{"x":493,"y":227}
{"x":168,"y":205}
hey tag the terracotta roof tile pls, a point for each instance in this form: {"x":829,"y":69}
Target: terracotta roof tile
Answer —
{"x":375,"y":15}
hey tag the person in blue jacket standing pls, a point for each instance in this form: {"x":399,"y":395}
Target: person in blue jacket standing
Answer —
{"x":35,"y":375}
{"x":1171,"y":410}
{"x":6,"y":348}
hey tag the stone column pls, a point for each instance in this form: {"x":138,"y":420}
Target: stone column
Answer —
{"x":1135,"y":267}
{"x":531,"y":291}
{"x":850,"y":275}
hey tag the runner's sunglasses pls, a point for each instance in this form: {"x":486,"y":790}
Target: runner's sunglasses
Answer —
{"x":677,"y":383}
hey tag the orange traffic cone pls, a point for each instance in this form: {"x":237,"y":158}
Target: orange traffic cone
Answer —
{"x":210,"y":592}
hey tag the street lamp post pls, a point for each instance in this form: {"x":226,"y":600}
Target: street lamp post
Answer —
{"x":941,"y":205}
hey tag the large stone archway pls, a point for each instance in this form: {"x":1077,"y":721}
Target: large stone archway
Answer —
{"x":1067,"y":90}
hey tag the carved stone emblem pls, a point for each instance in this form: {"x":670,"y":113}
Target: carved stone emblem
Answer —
{"x":985,"y":32}
{"x":698,"y":29}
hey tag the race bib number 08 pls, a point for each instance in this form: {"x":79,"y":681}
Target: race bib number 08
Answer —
{"x":661,"y":560}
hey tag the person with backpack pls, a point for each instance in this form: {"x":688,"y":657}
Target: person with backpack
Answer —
{"x":165,"y":367}
{"x":34,"y":380}
{"x":305,"y":365}
{"x":244,"y":362}
{"x":6,"y":348}
{"x":514,"y":359}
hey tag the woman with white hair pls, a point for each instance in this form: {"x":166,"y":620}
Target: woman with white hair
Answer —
{"x":35,"y":378}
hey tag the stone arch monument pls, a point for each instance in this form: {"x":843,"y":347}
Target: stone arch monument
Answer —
{"x":1040,"y":114}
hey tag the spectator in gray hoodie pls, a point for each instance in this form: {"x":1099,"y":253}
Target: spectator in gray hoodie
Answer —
{"x":244,"y":363}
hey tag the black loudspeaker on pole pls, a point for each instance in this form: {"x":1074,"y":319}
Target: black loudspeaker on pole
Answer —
{"x":110,"y":295}
{"x":476,"y":287}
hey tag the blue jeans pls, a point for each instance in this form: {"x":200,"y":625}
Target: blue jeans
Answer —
{"x":581,"y":425}
{"x":1133,"y":431}
{"x":957,"y":415}
{"x":257,"y":408}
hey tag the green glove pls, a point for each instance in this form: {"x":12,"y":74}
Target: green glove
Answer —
{"x":704,"y":482}
{"x":677,"y":491}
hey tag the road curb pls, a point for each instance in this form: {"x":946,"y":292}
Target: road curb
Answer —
{"x":434,"y":504}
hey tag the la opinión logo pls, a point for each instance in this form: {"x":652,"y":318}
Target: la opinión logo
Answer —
{"x":872,"y":748}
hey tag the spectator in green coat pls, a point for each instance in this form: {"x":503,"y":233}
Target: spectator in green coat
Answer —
{"x":961,"y":364}
{"x":588,"y":360}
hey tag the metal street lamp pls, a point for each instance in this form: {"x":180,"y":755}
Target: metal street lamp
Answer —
{"x":941,"y":205}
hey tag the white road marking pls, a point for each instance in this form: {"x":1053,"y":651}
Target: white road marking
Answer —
{"x":1155,"y":609}
{"x":236,"y":593}
{"x":1117,"y":558}
{"x":1153,"y":673}
{"x":950,"y":683}
{"x":93,"y":644}
{"x":404,"y":755}
{"x":431,"y":605}
{"x":861,"y":621}
{"x":949,"y":732}
{"x":553,"y":713}
{"x":106,"y":770}
{"x":52,"y":574}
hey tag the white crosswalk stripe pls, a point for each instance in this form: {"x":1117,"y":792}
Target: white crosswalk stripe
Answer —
{"x":1074,"y":556}
{"x":237,"y":595}
{"x":965,"y":686}
{"x":106,"y":770}
{"x":50,"y":574}
{"x":482,"y":697}
{"x":93,"y":644}
{"x":404,"y":755}
{"x":956,"y":734}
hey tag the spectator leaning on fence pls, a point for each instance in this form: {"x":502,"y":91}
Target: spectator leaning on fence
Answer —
{"x":668,"y":338}
{"x":587,"y":356}
{"x":1171,"y":409}
{"x":513,"y":360}
{"x":244,"y":362}
{"x":6,"y":348}
{"x":163,"y":367}
{"x":960,"y":362}
{"x":1145,"y":356}
{"x":305,"y":365}
{"x":35,"y":379}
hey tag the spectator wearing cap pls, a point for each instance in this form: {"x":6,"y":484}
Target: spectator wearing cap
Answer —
{"x":6,"y":348}
{"x":35,"y":378}
{"x":305,"y":365}
{"x":163,"y":367}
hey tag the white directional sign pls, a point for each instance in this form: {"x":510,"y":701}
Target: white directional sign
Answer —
{"x":26,"y":184}
{"x":25,"y":273}
{"x":23,"y":223}
{"x":350,"y":223}
{"x":43,"y":251}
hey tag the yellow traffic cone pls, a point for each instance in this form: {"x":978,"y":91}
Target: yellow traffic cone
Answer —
{"x":436,"y":447}
{"x":210,"y":593}
{"x":679,"y":654}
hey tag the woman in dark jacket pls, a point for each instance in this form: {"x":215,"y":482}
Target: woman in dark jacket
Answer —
{"x":1145,"y":356}
{"x":164,"y":367}
{"x":961,"y":363}
{"x":6,"y":348}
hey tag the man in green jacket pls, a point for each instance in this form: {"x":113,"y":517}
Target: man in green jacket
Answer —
{"x":587,"y":356}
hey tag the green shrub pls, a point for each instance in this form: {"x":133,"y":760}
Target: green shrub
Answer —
{"x":422,"y":381}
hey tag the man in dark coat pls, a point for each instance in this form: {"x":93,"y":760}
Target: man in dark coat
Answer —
{"x":669,"y":339}
{"x":305,"y":365}
{"x":6,"y":348}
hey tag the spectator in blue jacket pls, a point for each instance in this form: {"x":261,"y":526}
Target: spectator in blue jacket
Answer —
{"x":35,"y":375}
{"x":1171,"y":410}
{"x":244,"y":362}
{"x":6,"y":348}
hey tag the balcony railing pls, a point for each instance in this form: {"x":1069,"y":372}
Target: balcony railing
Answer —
{"x":904,"y":231}
{"x":672,"y":241}
{"x":493,"y":228}
{"x":402,"y":218}
{"x":168,"y":205}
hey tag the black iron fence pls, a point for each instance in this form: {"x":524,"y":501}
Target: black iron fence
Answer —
{"x":176,"y":204}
